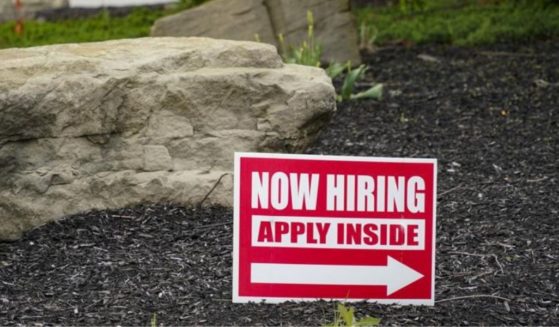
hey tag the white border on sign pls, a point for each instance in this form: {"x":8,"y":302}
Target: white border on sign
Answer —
{"x":275,"y":300}
{"x":433,"y":253}
{"x":236,"y":223}
{"x":332,"y":158}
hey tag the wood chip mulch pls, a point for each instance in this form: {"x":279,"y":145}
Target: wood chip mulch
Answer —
{"x":489,"y":115}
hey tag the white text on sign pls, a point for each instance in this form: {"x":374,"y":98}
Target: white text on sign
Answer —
{"x":346,"y":233}
{"x":353,"y":193}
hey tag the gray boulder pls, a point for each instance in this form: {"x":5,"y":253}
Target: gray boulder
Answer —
{"x":112,"y":124}
{"x":266,"y":19}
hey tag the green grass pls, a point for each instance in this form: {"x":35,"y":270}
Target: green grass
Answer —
{"x":97,"y":28}
{"x":308,"y":53}
{"x":466,"y":23}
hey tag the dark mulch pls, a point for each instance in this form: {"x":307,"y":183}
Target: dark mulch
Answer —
{"x":491,"y":118}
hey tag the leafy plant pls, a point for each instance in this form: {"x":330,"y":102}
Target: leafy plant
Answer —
{"x":335,"y":69}
{"x":348,"y":86}
{"x":345,"y":316}
{"x":308,"y":53}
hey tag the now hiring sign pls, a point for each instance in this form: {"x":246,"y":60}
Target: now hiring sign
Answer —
{"x":325,"y":227}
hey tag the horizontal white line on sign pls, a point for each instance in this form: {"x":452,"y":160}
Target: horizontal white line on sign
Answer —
{"x":394,"y":275}
{"x":338,"y":233}
{"x":238,"y":155}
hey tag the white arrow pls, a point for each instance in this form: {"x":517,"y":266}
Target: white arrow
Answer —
{"x":395,"y":275}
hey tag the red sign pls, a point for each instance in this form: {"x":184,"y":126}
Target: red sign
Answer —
{"x":327,"y":227}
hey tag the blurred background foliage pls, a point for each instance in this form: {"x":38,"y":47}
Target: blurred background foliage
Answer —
{"x":99,"y":27}
{"x":96,"y":28}
{"x":458,"y":22}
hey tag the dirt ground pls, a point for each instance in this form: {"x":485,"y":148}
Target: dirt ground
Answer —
{"x":490,"y":116}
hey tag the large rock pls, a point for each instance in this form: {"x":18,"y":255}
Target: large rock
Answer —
{"x":266,"y":19}
{"x":111,"y":124}
{"x":245,"y":20}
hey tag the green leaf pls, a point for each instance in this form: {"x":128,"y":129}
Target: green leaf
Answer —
{"x":349,"y":81}
{"x":335,"y":69}
{"x":374,"y":92}
{"x":367,"y":322}
{"x":347,"y":314}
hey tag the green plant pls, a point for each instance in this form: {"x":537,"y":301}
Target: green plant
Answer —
{"x":153,"y":321}
{"x":410,"y":6}
{"x":335,"y":69}
{"x":344,"y":316}
{"x":367,"y":37}
{"x":348,"y":86}
{"x":308,"y":53}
